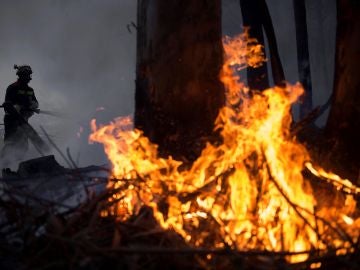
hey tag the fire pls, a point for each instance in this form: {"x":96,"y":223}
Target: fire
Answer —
{"x":247,"y":193}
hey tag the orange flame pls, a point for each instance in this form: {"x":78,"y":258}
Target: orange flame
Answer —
{"x":248,"y":192}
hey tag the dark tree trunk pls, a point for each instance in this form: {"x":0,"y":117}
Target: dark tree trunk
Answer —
{"x":257,"y":78}
{"x":344,"y":118}
{"x":256,"y":16}
{"x":303,"y":56}
{"x":276,"y":66}
{"x":179,"y":56}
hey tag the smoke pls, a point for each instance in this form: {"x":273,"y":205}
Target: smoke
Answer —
{"x":83,"y":58}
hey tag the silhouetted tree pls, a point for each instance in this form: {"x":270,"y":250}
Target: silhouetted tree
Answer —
{"x":303,"y":57}
{"x":257,"y":17}
{"x":343,"y":123}
{"x":179,"y":56}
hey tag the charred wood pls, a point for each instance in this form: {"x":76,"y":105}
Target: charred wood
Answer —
{"x":343,"y":125}
{"x":179,"y":56}
{"x":303,"y":57}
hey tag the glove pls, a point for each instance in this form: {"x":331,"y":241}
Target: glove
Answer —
{"x":7,"y":106}
{"x":17,"y":108}
{"x":34,"y":105}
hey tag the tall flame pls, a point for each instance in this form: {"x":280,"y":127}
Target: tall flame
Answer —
{"x":248,"y":192}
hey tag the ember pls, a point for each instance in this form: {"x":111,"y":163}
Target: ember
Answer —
{"x":249,"y":192}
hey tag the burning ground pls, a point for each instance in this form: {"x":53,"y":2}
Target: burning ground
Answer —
{"x":256,"y":199}
{"x":247,"y":193}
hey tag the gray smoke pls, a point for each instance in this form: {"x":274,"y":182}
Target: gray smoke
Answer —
{"x":83,"y":58}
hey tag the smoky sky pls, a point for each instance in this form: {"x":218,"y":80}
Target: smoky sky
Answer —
{"x":84,"y":56}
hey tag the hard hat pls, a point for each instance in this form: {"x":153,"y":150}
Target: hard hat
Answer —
{"x":23,"y":70}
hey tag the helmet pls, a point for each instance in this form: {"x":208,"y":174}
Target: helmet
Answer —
{"x":23,"y":70}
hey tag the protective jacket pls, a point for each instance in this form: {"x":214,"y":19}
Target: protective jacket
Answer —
{"x":22,"y":97}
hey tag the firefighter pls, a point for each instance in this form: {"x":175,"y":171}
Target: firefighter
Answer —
{"x":19,"y":96}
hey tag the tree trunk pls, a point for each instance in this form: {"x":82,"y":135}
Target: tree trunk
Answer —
{"x":257,"y":78}
{"x":344,"y":117}
{"x":303,"y":57}
{"x":179,"y":56}
{"x":256,"y":15}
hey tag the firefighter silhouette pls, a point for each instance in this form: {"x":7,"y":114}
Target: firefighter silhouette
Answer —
{"x":20,"y":104}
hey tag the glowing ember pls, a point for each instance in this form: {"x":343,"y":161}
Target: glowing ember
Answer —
{"x":248,"y":192}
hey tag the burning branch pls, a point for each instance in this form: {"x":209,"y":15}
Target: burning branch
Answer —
{"x":246,"y":193}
